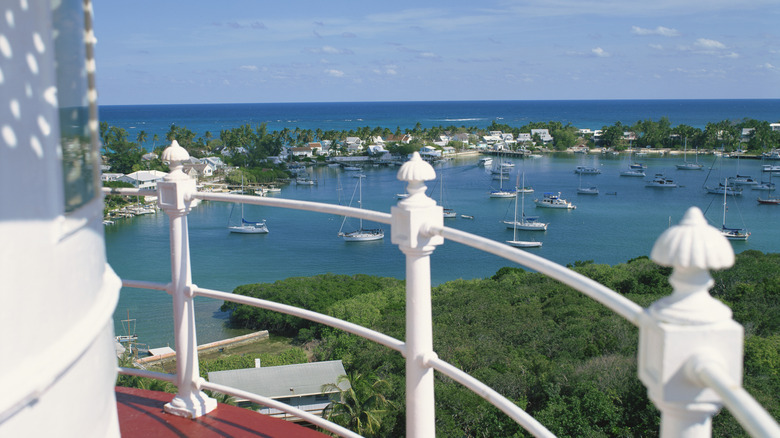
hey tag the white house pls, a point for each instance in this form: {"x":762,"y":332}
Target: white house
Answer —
{"x":430,"y":151}
{"x":144,"y":179}
{"x":105,"y":177}
{"x":298,"y":385}
{"x":216,"y":163}
{"x":197,"y":170}
{"x":316,"y":147}
{"x":524,"y":137}
{"x":544,"y":135}
{"x":377,"y":149}
{"x":303,"y":151}
{"x":774,"y":126}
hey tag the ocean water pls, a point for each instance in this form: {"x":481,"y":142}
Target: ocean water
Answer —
{"x":607,"y":228}
{"x":593,"y":114}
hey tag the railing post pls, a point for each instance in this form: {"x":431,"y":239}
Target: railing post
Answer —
{"x":175,"y":198}
{"x":411,"y":217}
{"x":688,"y":326}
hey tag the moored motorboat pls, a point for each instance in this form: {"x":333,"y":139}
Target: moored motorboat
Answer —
{"x":661,"y":181}
{"x":553,"y":200}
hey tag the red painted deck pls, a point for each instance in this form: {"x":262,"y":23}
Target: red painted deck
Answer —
{"x":141,"y":414}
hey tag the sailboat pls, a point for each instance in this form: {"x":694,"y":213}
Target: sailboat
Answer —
{"x":524,"y":243}
{"x":769,"y":199}
{"x":361,"y":234}
{"x":732,"y":233}
{"x":129,"y":327}
{"x":528,"y":223}
{"x":686,"y":165}
{"x":501,"y":193}
{"x":636,"y":170}
{"x":448,"y":212}
{"x":592,"y":190}
{"x":246,"y":227}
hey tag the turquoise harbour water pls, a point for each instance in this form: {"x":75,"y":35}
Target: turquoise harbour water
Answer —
{"x":606,"y":228}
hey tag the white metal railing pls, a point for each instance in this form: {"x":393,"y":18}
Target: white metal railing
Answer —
{"x":690,"y":350}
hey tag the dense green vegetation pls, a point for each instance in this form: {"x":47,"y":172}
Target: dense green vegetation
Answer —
{"x":248,"y":147}
{"x":567,"y":360}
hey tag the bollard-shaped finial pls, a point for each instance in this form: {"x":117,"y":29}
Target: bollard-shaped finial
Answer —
{"x":692,"y":248}
{"x":175,"y":155}
{"x":693,"y":244}
{"x":415,"y":172}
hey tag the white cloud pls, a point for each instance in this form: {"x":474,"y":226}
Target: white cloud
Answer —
{"x":248,"y":68}
{"x":656,"y":46}
{"x":708,"y":44}
{"x":767,"y":66}
{"x":598,"y":51}
{"x":328,"y":50}
{"x":660,"y":30}
{"x":334,"y":73}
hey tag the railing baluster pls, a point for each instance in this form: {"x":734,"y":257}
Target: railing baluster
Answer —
{"x":411,"y":218}
{"x":175,"y":198}
{"x":687,"y":325}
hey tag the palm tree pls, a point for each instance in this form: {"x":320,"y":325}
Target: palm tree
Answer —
{"x":357,"y":403}
{"x":141,"y":137}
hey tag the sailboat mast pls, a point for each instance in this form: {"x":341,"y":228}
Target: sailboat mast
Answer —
{"x":725,"y":191}
{"x":514,"y":228}
{"x":360,"y":197}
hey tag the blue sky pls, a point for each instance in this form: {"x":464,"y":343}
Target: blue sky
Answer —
{"x":152,"y":52}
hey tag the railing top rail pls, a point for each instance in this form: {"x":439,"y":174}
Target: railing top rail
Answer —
{"x":294,"y":204}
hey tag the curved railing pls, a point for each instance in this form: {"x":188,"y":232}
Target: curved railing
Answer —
{"x":689,"y":356}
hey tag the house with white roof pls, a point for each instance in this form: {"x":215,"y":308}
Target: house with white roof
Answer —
{"x":429,"y":151}
{"x":106,"y":177}
{"x":377,"y":149}
{"x":298,"y":385}
{"x":774,"y":126}
{"x":544,"y":135}
{"x":302,"y":151}
{"x":144,"y":179}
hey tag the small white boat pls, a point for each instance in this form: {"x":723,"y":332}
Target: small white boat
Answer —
{"x":552,"y":200}
{"x":592,"y":190}
{"x":501,"y":193}
{"x":584,"y":170}
{"x":524,"y":243}
{"x":765,"y":186}
{"x":467,"y":216}
{"x":770,"y":168}
{"x":732,"y":233}
{"x":485,"y":161}
{"x":723,"y":189}
{"x":527,"y":223}
{"x":687,"y":165}
{"x":515,"y":225}
{"x":742,"y":180}
{"x":245,"y":226}
{"x":353,"y":168}
{"x":660,"y":181}
{"x":361,"y":234}
{"x":633,"y":172}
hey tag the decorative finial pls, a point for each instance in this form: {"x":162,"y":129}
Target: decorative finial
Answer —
{"x":175,"y":155}
{"x":415,"y":172}
{"x":693,"y":244}
{"x":692,"y":248}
